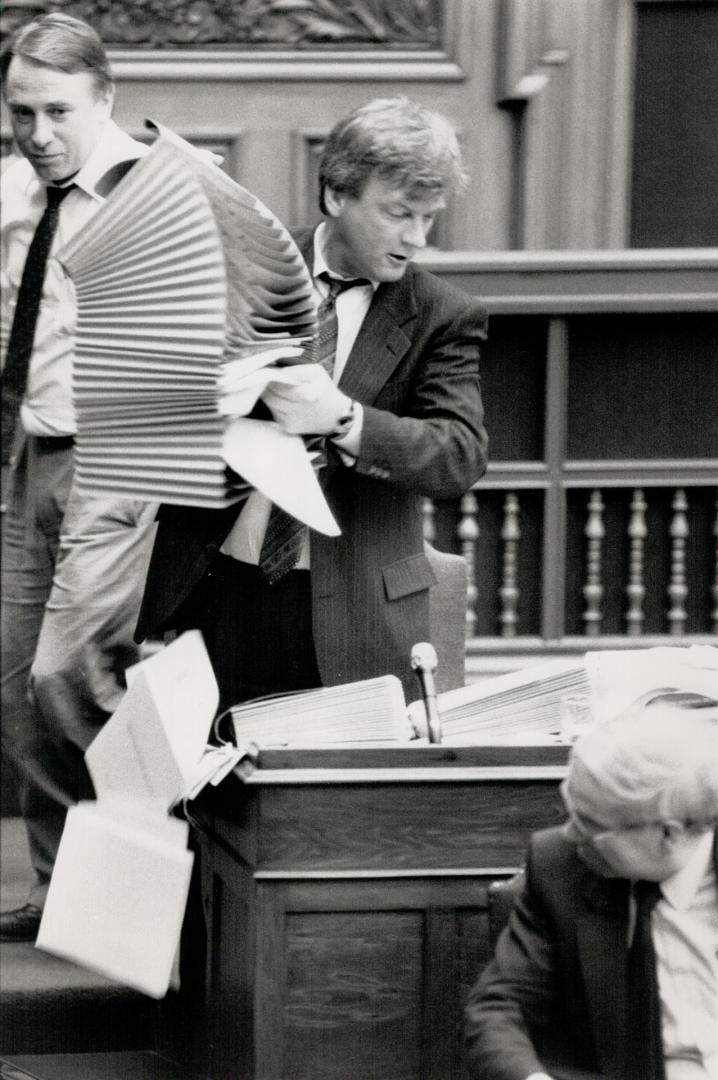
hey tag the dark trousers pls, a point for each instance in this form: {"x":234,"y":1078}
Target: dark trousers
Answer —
{"x":258,"y":636}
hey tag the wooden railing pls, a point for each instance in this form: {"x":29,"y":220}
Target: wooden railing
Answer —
{"x":597,"y":523}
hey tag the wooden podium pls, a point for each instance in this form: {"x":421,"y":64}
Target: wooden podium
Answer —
{"x":346,"y":898}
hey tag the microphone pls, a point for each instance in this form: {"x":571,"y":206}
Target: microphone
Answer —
{"x":424,"y":662}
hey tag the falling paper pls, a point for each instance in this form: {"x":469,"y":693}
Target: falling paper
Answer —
{"x":276,"y":464}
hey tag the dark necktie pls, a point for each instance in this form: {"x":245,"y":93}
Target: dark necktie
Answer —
{"x":284,"y":537}
{"x":22,"y":334}
{"x":645,"y":1038}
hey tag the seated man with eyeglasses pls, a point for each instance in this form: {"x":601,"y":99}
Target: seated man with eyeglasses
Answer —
{"x":609,"y":964}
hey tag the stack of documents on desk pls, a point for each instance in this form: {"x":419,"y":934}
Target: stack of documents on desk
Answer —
{"x":522,"y":707}
{"x":367,"y":711}
{"x":622,"y":678}
{"x":553,"y":701}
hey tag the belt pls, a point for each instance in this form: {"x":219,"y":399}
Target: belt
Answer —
{"x":49,"y":444}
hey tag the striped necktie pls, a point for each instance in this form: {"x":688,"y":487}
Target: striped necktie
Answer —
{"x":284,"y":537}
{"x":27,"y":308}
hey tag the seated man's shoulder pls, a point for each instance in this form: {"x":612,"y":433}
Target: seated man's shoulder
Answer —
{"x":553,"y":853}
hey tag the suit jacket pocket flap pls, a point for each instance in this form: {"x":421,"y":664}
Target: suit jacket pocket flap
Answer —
{"x":408,"y":576}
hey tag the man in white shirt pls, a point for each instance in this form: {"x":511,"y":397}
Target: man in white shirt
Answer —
{"x":72,"y":564}
{"x":588,"y":981}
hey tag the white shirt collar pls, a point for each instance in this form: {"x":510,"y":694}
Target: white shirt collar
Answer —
{"x":320,"y":263}
{"x":113,"y":146}
{"x":681,"y":889}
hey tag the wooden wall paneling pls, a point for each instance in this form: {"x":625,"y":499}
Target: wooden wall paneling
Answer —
{"x":229,"y":1035}
{"x":539,"y":89}
{"x":269,"y":979}
{"x":442,"y":995}
{"x":554,"y":538}
{"x":613,"y":181}
{"x":354,"y":992}
{"x":675,"y":152}
{"x":307,"y":146}
{"x":328,"y":839}
{"x":563,"y":75}
{"x":596,"y":156}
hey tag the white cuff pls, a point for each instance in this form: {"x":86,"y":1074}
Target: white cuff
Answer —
{"x":350,"y":441}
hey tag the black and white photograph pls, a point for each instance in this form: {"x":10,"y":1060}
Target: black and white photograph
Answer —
{"x":359,"y":574}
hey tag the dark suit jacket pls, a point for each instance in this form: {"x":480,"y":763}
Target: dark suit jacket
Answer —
{"x":554,"y":996}
{"x":415,"y":369}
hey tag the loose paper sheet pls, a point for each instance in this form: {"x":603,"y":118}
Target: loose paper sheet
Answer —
{"x":118,"y":893}
{"x":276,"y":465}
{"x":153,"y":743}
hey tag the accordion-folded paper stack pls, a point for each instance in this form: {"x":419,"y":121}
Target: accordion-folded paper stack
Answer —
{"x":186,"y":287}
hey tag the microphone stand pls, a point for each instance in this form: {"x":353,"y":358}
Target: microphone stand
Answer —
{"x":424,"y":663}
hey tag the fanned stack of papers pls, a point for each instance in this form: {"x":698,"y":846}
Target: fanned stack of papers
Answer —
{"x":367,"y":711}
{"x":188,"y":291}
{"x":521,"y":707}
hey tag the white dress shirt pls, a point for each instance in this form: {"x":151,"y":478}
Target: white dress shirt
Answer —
{"x":245,"y":540}
{"x":47,"y":408}
{"x":685,"y":937}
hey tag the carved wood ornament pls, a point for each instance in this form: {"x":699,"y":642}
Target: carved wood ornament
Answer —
{"x":172,"y":24}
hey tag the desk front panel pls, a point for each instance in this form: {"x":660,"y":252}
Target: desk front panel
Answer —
{"x":348,"y":921}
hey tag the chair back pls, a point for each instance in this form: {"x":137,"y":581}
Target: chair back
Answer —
{"x":500,"y":897}
{"x":447,"y":617}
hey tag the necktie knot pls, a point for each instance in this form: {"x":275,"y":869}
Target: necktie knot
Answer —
{"x":55,"y":195}
{"x":339,"y":285}
{"x":646,"y":894}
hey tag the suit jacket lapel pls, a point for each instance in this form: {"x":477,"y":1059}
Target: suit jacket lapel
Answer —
{"x":381,"y":341}
{"x":601,"y":933}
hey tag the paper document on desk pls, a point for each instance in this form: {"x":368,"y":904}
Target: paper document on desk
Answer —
{"x":368,"y":711}
{"x":621,"y":678}
{"x":118,"y":893}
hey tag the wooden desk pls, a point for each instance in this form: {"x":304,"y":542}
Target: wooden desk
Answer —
{"x":346,"y":894}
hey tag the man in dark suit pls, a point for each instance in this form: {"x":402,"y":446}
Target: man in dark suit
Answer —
{"x":398,"y":402}
{"x":609,"y":964}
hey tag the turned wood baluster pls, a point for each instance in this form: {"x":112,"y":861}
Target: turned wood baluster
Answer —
{"x":593,"y":589}
{"x":468,"y":533}
{"x":635,"y":590}
{"x":678,"y":589}
{"x":715,"y":581}
{"x":509,"y":591}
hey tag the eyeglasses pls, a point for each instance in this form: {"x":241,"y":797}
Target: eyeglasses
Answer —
{"x":580,"y":829}
{"x":577,"y":830}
